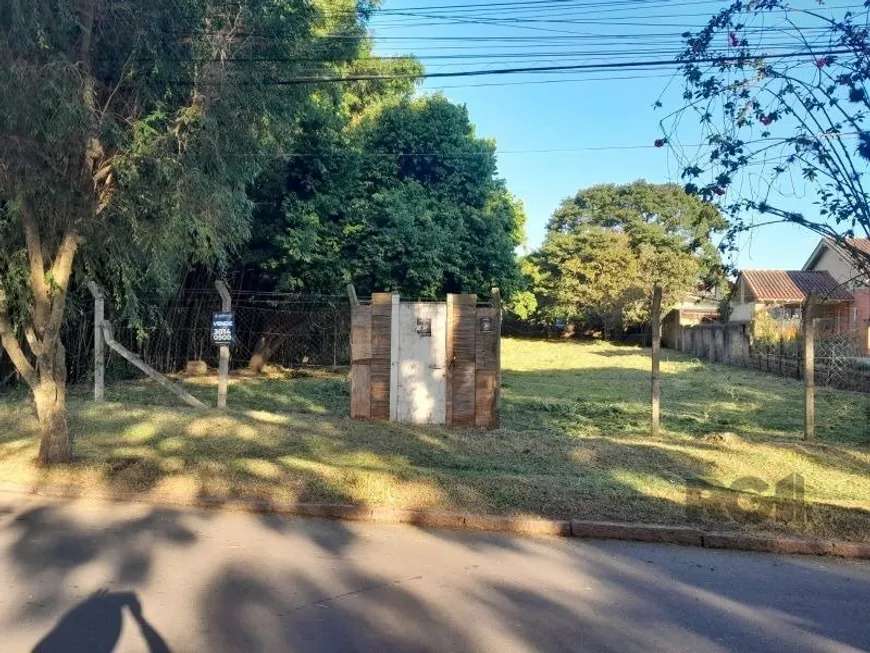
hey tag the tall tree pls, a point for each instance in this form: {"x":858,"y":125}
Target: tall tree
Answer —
{"x":590,"y":278}
{"x":606,"y":247}
{"x":782,"y":114}
{"x":406,"y":198}
{"x":128,"y":135}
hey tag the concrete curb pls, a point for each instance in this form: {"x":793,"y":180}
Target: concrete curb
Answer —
{"x":659,"y":533}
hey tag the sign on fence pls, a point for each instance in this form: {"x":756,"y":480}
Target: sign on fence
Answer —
{"x":223,"y":328}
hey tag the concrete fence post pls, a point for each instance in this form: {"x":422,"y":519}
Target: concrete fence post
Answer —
{"x":99,"y":342}
{"x":656,"y":319}
{"x":809,"y":370}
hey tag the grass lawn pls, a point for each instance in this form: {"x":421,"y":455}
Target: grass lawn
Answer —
{"x":574,"y":443}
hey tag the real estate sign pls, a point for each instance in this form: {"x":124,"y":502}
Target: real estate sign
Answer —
{"x":223,"y":328}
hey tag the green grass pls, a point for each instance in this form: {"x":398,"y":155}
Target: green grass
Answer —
{"x":574,"y":443}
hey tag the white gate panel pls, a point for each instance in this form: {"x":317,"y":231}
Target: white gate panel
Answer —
{"x":420,"y":363}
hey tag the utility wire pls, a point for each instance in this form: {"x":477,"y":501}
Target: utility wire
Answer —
{"x":546,"y":69}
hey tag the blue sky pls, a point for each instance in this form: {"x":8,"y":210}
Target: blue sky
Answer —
{"x":554,"y":138}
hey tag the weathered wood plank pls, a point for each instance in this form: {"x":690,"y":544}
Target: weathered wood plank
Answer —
{"x":484,"y":410}
{"x":125,"y":353}
{"x":495,"y":422}
{"x":656,"y":319}
{"x":360,"y":391}
{"x":361,"y":334}
{"x":361,"y":316}
{"x":99,"y":349}
{"x":224,"y":353}
{"x":461,"y":355}
{"x":382,"y":311}
{"x":486,"y":346}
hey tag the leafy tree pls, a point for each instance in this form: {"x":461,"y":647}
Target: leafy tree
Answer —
{"x":128,"y":135}
{"x":782,"y":114}
{"x":590,"y":277}
{"x":523,"y":304}
{"x":606,"y":247}
{"x":405,"y":198}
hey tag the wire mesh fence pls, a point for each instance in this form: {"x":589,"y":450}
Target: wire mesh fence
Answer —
{"x":284,"y":330}
{"x":841,"y":359}
{"x":270,"y":329}
{"x":783,"y":357}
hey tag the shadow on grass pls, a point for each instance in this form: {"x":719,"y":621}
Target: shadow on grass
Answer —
{"x":574,"y":443}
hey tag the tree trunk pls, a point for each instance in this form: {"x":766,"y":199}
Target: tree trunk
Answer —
{"x":263,"y":352}
{"x":55,"y":445}
{"x":49,"y":396}
{"x":260,"y":357}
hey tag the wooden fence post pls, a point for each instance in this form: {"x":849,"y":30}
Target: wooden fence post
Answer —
{"x":99,"y":342}
{"x":496,"y":410}
{"x":175,"y":389}
{"x":655,"y":317}
{"x":224,"y":361}
{"x":809,"y":370}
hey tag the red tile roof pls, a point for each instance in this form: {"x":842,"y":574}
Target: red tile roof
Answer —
{"x":793,"y":285}
{"x":861,"y":244}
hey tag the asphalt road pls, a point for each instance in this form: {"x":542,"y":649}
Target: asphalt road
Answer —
{"x":94,"y":577}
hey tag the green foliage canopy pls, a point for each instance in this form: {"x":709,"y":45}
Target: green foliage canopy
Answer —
{"x":404,"y":197}
{"x":606,"y":247}
{"x":129,"y":133}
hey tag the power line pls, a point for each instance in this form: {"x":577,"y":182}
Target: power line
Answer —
{"x":593,"y":148}
{"x":489,"y":56}
{"x":546,"y":69}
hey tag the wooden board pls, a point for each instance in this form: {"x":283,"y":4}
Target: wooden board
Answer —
{"x":360,"y":391}
{"x":486,"y":346}
{"x":382,"y":309}
{"x":361,"y":334}
{"x":461,"y":356}
{"x":484,"y":409}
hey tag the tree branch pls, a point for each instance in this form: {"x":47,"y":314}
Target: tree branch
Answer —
{"x":37,"y":267}
{"x":11,"y":345}
{"x":61,"y":271}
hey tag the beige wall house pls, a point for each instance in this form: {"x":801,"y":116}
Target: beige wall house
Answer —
{"x":839,"y":263}
{"x":697,"y":308}
{"x":783,"y":292}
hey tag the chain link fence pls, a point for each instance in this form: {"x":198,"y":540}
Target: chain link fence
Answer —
{"x":278,"y":329}
{"x":841,"y":358}
{"x":275,"y":329}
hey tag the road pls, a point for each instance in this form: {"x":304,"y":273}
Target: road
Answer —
{"x":98,"y":577}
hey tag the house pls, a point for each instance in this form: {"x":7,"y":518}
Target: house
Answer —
{"x":782,"y":293}
{"x":839,"y":262}
{"x":697,"y":308}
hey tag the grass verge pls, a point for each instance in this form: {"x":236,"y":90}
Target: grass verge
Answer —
{"x":574,"y":444}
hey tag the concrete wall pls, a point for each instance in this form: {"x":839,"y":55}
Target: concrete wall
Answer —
{"x":724,"y":343}
{"x":743,"y":312}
